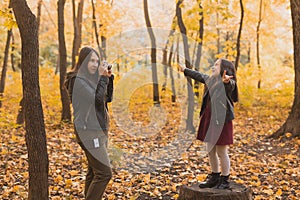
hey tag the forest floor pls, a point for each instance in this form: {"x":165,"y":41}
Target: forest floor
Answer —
{"x":270,"y":167}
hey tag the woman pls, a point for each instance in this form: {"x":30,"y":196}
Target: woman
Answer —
{"x":91,"y":120}
{"x":216,"y":114}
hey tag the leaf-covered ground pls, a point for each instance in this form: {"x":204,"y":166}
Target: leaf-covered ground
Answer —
{"x":270,"y":167}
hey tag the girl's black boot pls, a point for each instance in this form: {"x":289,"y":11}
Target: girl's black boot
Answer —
{"x":224,"y":183}
{"x":211,"y":181}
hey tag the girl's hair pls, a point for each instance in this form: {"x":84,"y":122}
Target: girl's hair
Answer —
{"x":82,"y":63}
{"x":230,"y":71}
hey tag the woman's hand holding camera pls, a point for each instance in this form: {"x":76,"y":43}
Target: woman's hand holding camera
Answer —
{"x":105,"y":69}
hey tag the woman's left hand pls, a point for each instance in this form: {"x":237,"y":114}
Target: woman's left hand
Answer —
{"x":226,"y":78}
{"x":103,"y":71}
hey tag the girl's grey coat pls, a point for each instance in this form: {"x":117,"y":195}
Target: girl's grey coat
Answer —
{"x":219,"y":94}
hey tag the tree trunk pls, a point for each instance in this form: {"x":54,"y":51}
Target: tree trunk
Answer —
{"x":189,"y":122}
{"x":76,"y":34}
{"x":171,"y":74}
{"x":249,"y":52}
{"x":4,"y":67}
{"x":292,"y":124}
{"x":194,"y":49}
{"x":66,"y":112}
{"x":237,"y":192}
{"x":102,"y":53}
{"x":34,"y":117}
{"x":39,"y":11}
{"x":227,"y":41}
{"x":218,"y":33}
{"x":257,"y":44}
{"x":165,"y":53}
{"x":177,"y":57}
{"x":153,"y":54}
{"x":12,"y":56}
{"x":238,"y":42}
{"x":21,"y":113}
{"x":103,"y":42}
{"x":77,"y":22}
{"x":199,"y":49}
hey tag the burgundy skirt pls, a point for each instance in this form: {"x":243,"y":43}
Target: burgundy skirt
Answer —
{"x":208,"y":131}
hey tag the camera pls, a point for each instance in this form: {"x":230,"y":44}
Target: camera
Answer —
{"x":109,"y":66}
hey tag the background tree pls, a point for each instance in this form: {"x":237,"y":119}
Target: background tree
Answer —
{"x":4,"y":66}
{"x":66,"y":112}
{"x":77,"y":23}
{"x":12,"y":56}
{"x":165,"y":52}
{"x":238,"y":42}
{"x":171,"y":73}
{"x":102,"y":52}
{"x":153,"y":54}
{"x":34,"y":117}
{"x":6,"y":52}
{"x":258,"y":42}
{"x":39,"y":13}
{"x":190,"y":115}
{"x":199,"y":46}
{"x":292,"y":124}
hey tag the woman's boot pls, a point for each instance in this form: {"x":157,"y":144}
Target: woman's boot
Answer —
{"x":224,"y":183}
{"x":211,"y":181}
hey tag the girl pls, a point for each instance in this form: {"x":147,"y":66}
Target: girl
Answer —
{"x":91,"y":120}
{"x":216,"y":114}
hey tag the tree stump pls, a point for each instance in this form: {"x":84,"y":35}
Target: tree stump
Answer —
{"x":194,"y":192}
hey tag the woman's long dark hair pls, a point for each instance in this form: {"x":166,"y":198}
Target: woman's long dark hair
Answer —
{"x":82,"y":63}
{"x":230,"y":71}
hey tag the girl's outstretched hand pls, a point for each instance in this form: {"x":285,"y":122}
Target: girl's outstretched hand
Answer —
{"x":226,"y":78}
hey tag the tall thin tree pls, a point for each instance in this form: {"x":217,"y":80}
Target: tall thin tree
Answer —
{"x":34,"y":117}
{"x":238,"y":40}
{"x":4,"y":67}
{"x":190,"y":115}
{"x":258,"y":43}
{"x":153,"y":54}
{"x":39,"y":12}
{"x":5,"y":61}
{"x":101,"y":50}
{"x":171,"y":74}
{"x":199,"y":48}
{"x":66,"y":112}
{"x":218,"y":31}
{"x":77,"y":23}
{"x":165,"y":52}
{"x":292,"y":125}
{"x":12,"y":51}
